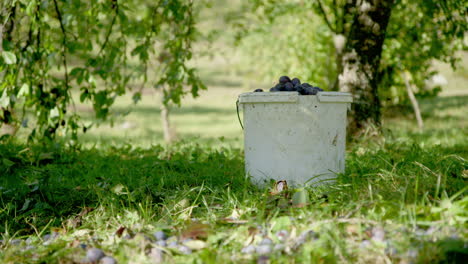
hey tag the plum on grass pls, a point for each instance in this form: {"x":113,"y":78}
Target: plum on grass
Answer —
{"x":160,"y":235}
{"x":279,"y":247}
{"x":161,"y":243}
{"x":250,"y":249}
{"x":263,"y":260}
{"x":156,"y":255}
{"x":173,"y":244}
{"x":378,"y":234}
{"x":266,"y":241}
{"x":108,"y":260}
{"x":184,"y":249}
{"x":263,"y":249}
{"x":282,"y":235}
{"x":94,"y":254}
{"x":304,"y":237}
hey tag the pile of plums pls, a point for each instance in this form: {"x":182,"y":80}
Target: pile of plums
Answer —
{"x":285,"y":84}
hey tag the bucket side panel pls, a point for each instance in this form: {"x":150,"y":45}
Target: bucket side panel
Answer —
{"x":294,"y":142}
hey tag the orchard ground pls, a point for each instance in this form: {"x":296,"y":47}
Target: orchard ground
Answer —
{"x":402,"y":199}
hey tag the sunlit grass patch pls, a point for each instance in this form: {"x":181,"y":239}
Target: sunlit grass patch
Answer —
{"x":396,"y":202}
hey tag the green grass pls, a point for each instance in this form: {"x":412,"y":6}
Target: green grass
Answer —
{"x":402,"y":199}
{"x":408,"y":185}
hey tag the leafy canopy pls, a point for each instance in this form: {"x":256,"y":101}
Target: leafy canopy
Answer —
{"x":302,"y":38}
{"x":102,"y":48}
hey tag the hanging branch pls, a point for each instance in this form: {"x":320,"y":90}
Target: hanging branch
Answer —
{"x":115,"y":6}
{"x":324,"y":15}
{"x":64,"y":43}
{"x":8,"y":25}
{"x":1,"y":37}
{"x":335,"y":11}
{"x":30,"y":31}
{"x":4,"y":29}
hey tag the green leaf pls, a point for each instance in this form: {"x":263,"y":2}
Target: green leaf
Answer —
{"x":119,"y":189}
{"x":54,"y":112}
{"x":9,"y":57}
{"x":8,"y":163}
{"x":83,"y":97}
{"x":282,"y":222}
{"x":100,"y":98}
{"x":5,"y":99}
{"x":26,"y":204}
{"x":136,"y":97}
{"x":46,"y":156}
{"x":24,"y":90}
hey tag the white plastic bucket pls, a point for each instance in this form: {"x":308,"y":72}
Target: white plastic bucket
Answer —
{"x":292,"y":137}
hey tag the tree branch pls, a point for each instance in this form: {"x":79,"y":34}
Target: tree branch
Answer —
{"x":7,"y":26}
{"x":29,"y":40}
{"x":335,"y":12}
{"x":324,"y":15}
{"x":414,"y":101}
{"x":115,"y":6}
{"x":348,"y":11}
{"x":1,"y":37}
{"x":64,"y":43}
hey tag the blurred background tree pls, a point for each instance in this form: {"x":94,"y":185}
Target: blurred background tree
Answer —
{"x":360,"y":46}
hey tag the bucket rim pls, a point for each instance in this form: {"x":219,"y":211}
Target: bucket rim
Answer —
{"x":276,"y":97}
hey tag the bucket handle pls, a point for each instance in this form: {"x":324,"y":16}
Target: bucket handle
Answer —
{"x":238,"y":116}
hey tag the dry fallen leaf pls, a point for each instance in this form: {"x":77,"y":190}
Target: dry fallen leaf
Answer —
{"x":76,"y":222}
{"x":120,"y":231}
{"x":196,"y":231}
{"x":196,"y":244}
{"x":352,"y":229}
{"x":280,"y":186}
{"x":229,"y":220}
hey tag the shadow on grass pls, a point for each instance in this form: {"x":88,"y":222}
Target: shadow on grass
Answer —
{"x":429,"y":106}
{"x":222,"y":82}
{"x":218,"y":78}
{"x":148,"y":110}
{"x":152,"y":137}
{"x":47,"y":184}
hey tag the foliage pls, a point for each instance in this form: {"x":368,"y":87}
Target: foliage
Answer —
{"x":285,"y":39}
{"x":51,"y":48}
{"x":304,"y":38}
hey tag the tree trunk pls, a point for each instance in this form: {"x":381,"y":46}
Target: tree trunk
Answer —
{"x":361,"y":59}
{"x":168,"y":131}
{"x":414,"y":102}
